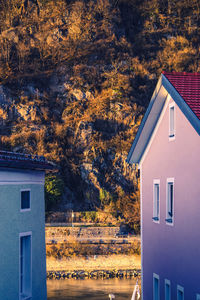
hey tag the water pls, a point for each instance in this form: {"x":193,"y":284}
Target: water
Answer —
{"x":90,"y":289}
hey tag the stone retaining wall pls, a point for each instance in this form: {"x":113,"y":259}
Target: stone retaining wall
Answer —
{"x":80,"y":232}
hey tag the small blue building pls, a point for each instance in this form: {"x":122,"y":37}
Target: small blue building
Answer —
{"x":22,"y":227}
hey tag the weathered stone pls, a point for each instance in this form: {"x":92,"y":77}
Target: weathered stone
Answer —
{"x":2,"y":95}
{"x":3,"y":114}
{"x":32,"y":43}
{"x":27,"y":112}
{"x":78,"y":94}
{"x":89,"y":95}
{"x":85,"y":169}
{"x":10,"y":35}
{"x":54,"y":37}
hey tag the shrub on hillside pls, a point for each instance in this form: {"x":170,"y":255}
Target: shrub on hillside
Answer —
{"x":54,"y":188}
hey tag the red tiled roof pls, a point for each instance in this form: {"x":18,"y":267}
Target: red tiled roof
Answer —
{"x":188,"y":86}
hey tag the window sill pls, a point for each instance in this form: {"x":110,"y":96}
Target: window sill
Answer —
{"x":172,"y":137}
{"x":169,"y":220}
{"x":25,"y":297}
{"x":25,"y":209}
{"x":155,"y":219}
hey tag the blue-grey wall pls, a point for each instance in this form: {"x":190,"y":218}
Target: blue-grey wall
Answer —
{"x":12,"y":223}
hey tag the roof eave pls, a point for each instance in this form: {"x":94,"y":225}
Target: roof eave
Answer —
{"x":27,"y":165}
{"x":155,"y":93}
{"x":135,"y":159}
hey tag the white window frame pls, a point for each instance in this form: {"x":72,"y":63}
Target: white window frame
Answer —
{"x":198,"y":297}
{"x":172,"y":135}
{"x":180,"y":289}
{"x":25,"y":209}
{"x":29,"y":297}
{"x":169,"y":180}
{"x":167,"y":282}
{"x":156,"y":276}
{"x":156,"y":217}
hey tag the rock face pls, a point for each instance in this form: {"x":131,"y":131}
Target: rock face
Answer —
{"x":79,"y":147}
{"x":66,"y":93}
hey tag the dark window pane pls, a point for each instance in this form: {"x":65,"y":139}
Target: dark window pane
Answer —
{"x":171,"y":198}
{"x":25,"y":199}
{"x":172,"y":121}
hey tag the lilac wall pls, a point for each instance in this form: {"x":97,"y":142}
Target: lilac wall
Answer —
{"x":172,"y":252}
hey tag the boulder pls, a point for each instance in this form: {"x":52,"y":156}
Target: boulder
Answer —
{"x":78,"y":94}
{"x":54,"y":37}
{"x":10,"y":35}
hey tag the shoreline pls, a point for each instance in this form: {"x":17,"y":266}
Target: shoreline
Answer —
{"x":106,"y":263}
{"x":95,"y":274}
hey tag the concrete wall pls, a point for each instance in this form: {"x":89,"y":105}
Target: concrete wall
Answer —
{"x":172,"y":252}
{"x":12,"y":223}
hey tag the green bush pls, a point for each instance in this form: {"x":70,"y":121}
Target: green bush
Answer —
{"x":89,"y":216}
{"x":105,"y":197}
{"x":54,"y":188}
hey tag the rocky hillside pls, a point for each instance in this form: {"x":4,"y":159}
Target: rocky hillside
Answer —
{"x":76,"y":77}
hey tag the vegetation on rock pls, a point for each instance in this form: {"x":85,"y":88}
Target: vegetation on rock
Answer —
{"x":54,"y":188}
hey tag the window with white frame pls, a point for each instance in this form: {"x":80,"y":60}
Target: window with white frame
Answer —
{"x":156,"y":287}
{"x":25,"y":200}
{"x":170,"y":201}
{"x":25,"y":266}
{"x":156,"y":200}
{"x":167,"y":289}
{"x":171,"y":121}
{"x":180,"y":292}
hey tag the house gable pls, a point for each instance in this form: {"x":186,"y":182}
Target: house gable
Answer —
{"x":164,"y":89}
